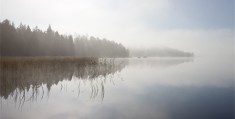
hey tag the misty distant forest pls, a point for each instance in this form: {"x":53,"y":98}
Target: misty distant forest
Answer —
{"x":159,"y":52}
{"x":24,"y":41}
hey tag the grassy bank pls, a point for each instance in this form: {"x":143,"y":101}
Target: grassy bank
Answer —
{"x":22,"y":72}
{"x":15,"y":61}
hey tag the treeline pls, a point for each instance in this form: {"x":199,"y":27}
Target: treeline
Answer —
{"x":24,"y":41}
{"x":159,"y":52}
{"x":95,"y":47}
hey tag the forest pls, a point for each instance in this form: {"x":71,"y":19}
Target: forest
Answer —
{"x":24,"y":41}
{"x":159,"y":52}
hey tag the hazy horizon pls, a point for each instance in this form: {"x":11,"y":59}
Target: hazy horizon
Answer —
{"x":117,"y":59}
{"x":204,"y":27}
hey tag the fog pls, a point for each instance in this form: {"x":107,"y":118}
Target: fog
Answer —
{"x":117,"y":59}
{"x":202,"y":27}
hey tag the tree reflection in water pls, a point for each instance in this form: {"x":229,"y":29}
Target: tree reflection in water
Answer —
{"x":22,"y":78}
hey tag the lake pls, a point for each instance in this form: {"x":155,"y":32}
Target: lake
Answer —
{"x":128,"y":88}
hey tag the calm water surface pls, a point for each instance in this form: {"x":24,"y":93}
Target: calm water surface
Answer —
{"x":135,"y":88}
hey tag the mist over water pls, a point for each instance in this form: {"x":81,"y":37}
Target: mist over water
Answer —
{"x":178,"y":88}
{"x":117,"y":59}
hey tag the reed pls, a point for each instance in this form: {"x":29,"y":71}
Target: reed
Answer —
{"x":23,"y":72}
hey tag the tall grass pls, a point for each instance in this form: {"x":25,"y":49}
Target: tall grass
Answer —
{"x":22,"y":73}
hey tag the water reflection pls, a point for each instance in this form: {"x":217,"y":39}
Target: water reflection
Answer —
{"x":148,"y":88}
{"x":158,"y":62}
{"x":21,"y":76}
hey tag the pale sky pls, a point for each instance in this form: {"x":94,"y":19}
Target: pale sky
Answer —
{"x":199,"y":26}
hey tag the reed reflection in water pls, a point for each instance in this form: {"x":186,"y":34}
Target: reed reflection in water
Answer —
{"x":29,"y":79}
{"x":90,"y":88}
